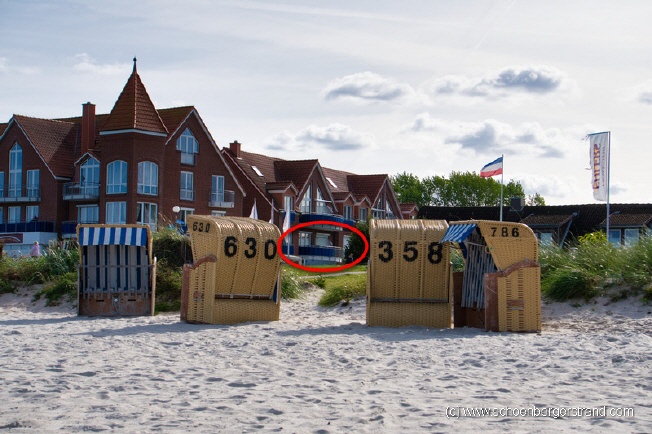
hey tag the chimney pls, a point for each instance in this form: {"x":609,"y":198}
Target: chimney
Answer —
{"x":87,"y":127}
{"x":235,"y":148}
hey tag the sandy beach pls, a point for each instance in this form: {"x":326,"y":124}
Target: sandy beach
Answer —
{"x":323,"y":371}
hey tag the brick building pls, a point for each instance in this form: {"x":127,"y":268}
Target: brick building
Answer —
{"x":137,"y":164}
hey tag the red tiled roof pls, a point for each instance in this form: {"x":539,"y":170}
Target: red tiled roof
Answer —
{"x":54,"y":141}
{"x":3,"y":127}
{"x":297,"y":171}
{"x":174,"y":116}
{"x":407,"y":207}
{"x":339,"y":178}
{"x":368,"y":185}
{"x":134,"y":109}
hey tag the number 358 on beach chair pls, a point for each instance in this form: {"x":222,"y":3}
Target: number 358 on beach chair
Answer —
{"x":409,"y":274}
{"x":117,"y":273}
{"x":236,"y":274}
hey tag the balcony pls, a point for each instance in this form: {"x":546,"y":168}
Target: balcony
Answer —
{"x":321,"y":253}
{"x":323,"y":211}
{"x":12,"y":194}
{"x":33,"y":226}
{"x":225,"y":199}
{"x":81,"y":191}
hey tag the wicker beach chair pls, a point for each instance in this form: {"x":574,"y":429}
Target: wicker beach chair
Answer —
{"x":117,"y":273}
{"x":236,"y":274}
{"x":502,"y":278}
{"x":409,"y":274}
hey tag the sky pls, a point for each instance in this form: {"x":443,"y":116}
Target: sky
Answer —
{"x":423,"y":87}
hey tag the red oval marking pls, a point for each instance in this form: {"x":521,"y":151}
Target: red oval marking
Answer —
{"x":327,"y":269}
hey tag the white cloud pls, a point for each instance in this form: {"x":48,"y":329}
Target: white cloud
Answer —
{"x":491,"y":136}
{"x":368,"y":86}
{"x":334,"y":137}
{"x":87,"y":64}
{"x":512,"y":80}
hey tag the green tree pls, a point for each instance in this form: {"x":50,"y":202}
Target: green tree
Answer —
{"x":468,"y":189}
{"x":408,"y":188}
{"x":356,"y":244}
{"x":535,"y":199}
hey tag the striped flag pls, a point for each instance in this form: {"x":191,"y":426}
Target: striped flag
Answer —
{"x":493,"y":168}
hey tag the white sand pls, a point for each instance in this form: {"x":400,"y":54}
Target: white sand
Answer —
{"x":320,"y":370}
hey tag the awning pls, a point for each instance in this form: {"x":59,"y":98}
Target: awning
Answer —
{"x":129,"y":236}
{"x":458,"y":233}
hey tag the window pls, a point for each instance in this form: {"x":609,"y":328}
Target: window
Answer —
{"x":614,"y":237}
{"x":218,"y":213}
{"x":31,"y":213}
{"x":348,"y":212}
{"x":33,"y":183}
{"x":323,"y":240}
{"x":88,"y":214}
{"x":188,"y":145}
{"x":363,"y":214}
{"x":321,"y":204}
{"x":306,"y":201}
{"x":287,"y":203}
{"x":89,"y":177}
{"x":187,"y":186}
{"x":2,"y":215}
{"x":13,"y":215}
{"x":631,"y":237}
{"x":2,"y":184}
{"x":116,"y":177}
{"x":346,"y":240}
{"x":116,"y":212}
{"x":304,"y":239}
{"x":147,"y":214}
{"x":546,"y":238}
{"x":184,"y":213}
{"x":217,"y":189}
{"x":15,"y":170}
{"x":148,"y":178}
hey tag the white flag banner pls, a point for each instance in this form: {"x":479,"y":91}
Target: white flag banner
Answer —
{"x":286,"y":220}
{"x":254,"y":211}
{"x":599,"y":153}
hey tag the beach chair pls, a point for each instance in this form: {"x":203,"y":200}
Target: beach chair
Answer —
{"x":501,"y":284}
{"x":117,"y":273}
{"x":235,"y":276}
{"x":409,"y":278}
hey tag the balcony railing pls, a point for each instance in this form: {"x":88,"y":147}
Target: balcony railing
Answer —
{"x":305,"y":218}
{"x":81,"y":191}
{"x":33,"y":226}
{"x":20,"y":194}
{"x":224,"y":199}
{"x":323,"y":252}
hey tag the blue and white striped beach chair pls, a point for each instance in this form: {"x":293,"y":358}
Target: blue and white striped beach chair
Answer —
{"x":117,"y":273}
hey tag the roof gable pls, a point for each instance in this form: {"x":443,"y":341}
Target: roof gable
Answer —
{"x":134,"y":110}
{"x":54,"y":141}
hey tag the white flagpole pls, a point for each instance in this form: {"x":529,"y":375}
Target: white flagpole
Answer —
{"x":502,"y":183}
{"x":608,"y":178}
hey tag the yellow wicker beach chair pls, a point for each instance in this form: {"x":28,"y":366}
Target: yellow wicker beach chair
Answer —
{"x":409,"y":274}
{"x":236,"y":274}
{"x":502,"y":278}
{"x":117,"y":273}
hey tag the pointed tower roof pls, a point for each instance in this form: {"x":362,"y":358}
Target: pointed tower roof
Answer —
{"x":134,"y":110}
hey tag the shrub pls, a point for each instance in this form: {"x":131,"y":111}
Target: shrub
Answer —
{"x":565,"y":284}
{"x":65,"y":287}
{"x":6,"y":287}
{"x":171,"y":247}
{"x":343,"y":288}
{"x":168,"y":287}
{"x":290,"y":285}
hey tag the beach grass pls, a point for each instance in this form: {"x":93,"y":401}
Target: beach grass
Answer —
{"x":342,"y":288}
